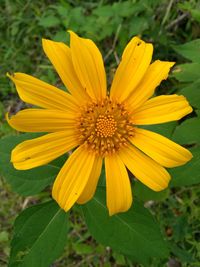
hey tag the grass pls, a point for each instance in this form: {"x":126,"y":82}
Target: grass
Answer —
{"x":110,"y":24}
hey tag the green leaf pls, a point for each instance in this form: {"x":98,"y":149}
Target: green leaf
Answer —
{"x":60,"y":36}
{"x":49,"y":21}
{"x":140,"y":191}
{"x":183,"y":255}
{"x":27,"y":182}
{"x":104,"y":11}
{"x":144,"y":193}
{"x":77,"y":18}
{"x":138,"y":25}
{"x":190,"y":50}
{"x":126,"y":8}
{"x":134,"y":233}
{"x":188,"y":72}
{"x":192,"y":93}
{"x":196,"y":14}
{"x":40,"y":234}
{"x":188,"y":132}
{"x":129,"y":9}
{"x":82,"y":249}
{"x":188,"y":174}
{"x":165,"y":129}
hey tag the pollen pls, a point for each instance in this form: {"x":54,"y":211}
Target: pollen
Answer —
{"x":104,"y":126}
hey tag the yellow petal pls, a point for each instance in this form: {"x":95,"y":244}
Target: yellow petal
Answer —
{"x":39,"y":93}
{"x":155,"y":73}
{"x":118,"y":188}
{"x":91,"y":185}
{"x":73,"y":178}
{"x":60,"y":56}
{"x":144,"y":168}
{"x":135,"y":61}
{"x":42,"y":150}
{"x":88,"y":63}
{"x":161,"y":149}
{"x":42,"y":120}
{"x":161,"y":109}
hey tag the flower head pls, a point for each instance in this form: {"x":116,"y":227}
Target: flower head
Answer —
{"x":99,"y":125}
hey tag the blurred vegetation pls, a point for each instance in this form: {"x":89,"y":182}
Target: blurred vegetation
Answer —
{"x":111,"y":24}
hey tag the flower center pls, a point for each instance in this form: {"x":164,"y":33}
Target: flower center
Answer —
{"x":104,"y":126}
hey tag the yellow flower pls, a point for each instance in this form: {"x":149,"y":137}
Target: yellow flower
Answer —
{"x":100,"y":125}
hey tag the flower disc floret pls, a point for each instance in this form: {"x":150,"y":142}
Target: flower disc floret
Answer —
{"x":105,"y":126}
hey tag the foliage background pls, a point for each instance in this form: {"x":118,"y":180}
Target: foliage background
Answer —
{"x":168,"y":25}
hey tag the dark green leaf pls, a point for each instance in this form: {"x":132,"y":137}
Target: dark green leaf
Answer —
{"x":126,"y":8}
{"x":190,"y":50}
{"x":144,"y":193}
{"x":140,"y":191}
{"x":188,"y":72}
{"x":40,"y":234}
{"x":60,"y":36}
{"x":188,"y":132}
{"x":138,"y":25}
{"x":49,"y":21}
{"x":183,"y":255}
{"x":28,"y":182}
{"x":133,"y":233}
{"x":77,"y":18}
{"x":188,"y":174}
{"x":104,"y":11}
{"x":165,"y":129}
{"x":192,"y":92}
